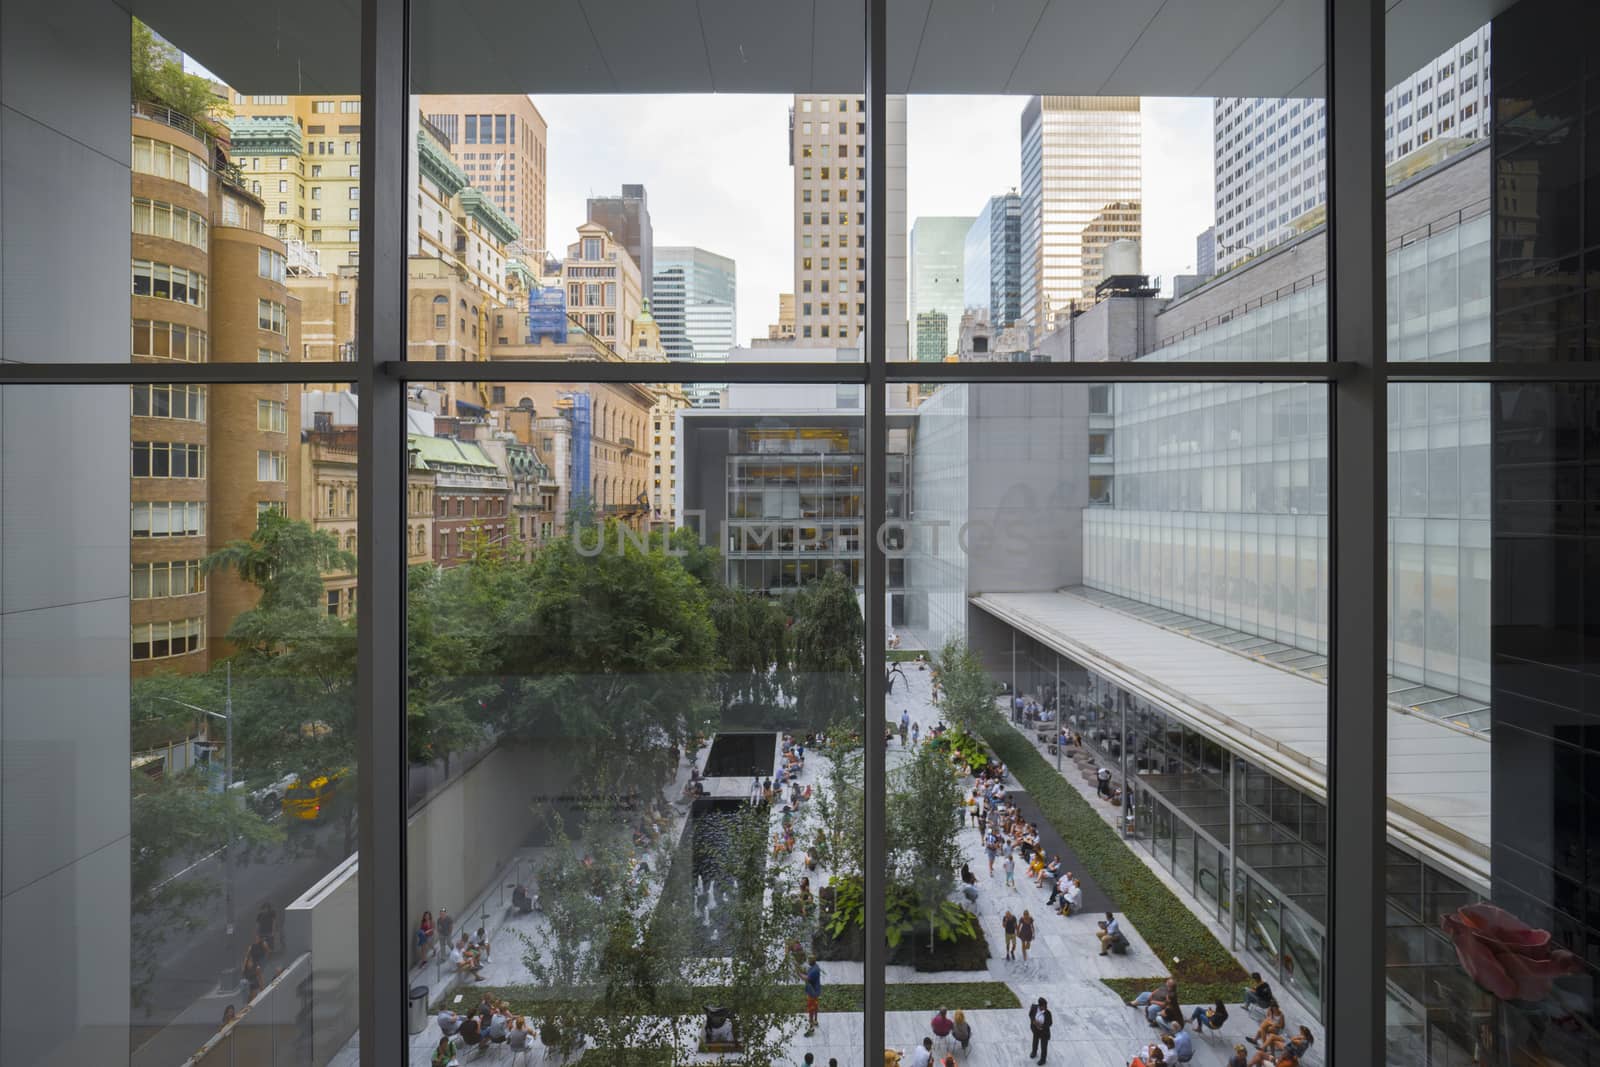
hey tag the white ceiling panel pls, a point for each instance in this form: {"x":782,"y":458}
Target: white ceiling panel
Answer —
{"x":291,"y":46}
{"x":1183,"y":44}
{"x":1281,"y":57}
{"x":1077,"y":46}
{"x":964,"y":47}
{"x":755,"y":44}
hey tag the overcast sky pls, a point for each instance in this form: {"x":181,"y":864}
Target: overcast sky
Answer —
{"x":717,"y":172}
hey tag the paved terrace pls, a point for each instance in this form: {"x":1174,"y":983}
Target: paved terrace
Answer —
{"x":1093,"y":1028}
{"x":1438,"y":775}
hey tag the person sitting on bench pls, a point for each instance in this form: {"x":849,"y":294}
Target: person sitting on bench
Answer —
{"x":1210,"y":1018}
{"x":521,"y":902}
{"x":1110,"y":935}
{"x":1257,"y":994}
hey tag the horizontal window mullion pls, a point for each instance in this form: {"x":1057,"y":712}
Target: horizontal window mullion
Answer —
{"x":644,"y":373}
{"x":178,"y":372}
{"x":1126,"y":371}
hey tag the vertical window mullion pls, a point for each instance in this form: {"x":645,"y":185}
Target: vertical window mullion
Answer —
{"x":381,"y":558}
{"x":1357,"y":731}
{"x":874,"y":566}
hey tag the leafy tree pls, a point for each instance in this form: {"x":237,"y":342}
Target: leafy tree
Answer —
{"x":611,"y":652}
{"x":450,"y":672}
{"x":752,"y":641}
{"x":294,"y":664}
{"x":701,"y":560}
{"x":159,"y":711}
{"x":606,"y":972}
{"x":158,"y":76}
{"x":968,"y":690}
{"x":925,"y":816}
{"x":827,"y":653}
{"x":840,"y":804}
{"x":174,"y":821}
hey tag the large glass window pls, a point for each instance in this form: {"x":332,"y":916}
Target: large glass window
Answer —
{"x":1109,"y":609}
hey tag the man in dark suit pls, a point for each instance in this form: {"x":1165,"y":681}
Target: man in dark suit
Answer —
{"x":1039,"y":1020}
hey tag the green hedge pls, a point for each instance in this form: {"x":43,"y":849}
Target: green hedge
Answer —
{"x":836,"y":997}
{"x":1184,"y":944}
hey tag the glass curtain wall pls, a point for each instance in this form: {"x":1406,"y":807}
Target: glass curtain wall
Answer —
{"x":638,"y":573}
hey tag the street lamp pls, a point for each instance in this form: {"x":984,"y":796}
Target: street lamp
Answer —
{"x":227,"y":788}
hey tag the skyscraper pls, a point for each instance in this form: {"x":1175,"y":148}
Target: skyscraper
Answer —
{"x":1271,"y":154}
{"x":938,"y":246}
{"x":694,"y":303}
{"x":628,"y":218}
{"x":1205,"y":252}
{"x":933,"y":336}
{"x":1081,"y":190}
{"x":828,"y":151}
{"x":992,"y":260}
{"x":499,"y":141}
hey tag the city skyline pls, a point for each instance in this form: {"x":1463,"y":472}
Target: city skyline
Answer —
{"x":733,"y":207}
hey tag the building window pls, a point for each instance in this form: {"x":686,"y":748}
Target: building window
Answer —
{"x":270,"y":265}
{"x":168,"y":518}
{"x":153,"y":218}
{"x":271,"y":466}
{"x":168,"y":340}
{"x":186,"y":402}
{"x":162,"y":640}
{"x":272,"y":416}
{"x":168,"y":161}
{"x":166,"y":578}
{"x":272,"y":316}
{"x":168,"y":459}
{"x":268,"y":355}
{"x":162,"y":281}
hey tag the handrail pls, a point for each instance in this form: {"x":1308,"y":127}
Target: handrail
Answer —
{"x":149,"y":109}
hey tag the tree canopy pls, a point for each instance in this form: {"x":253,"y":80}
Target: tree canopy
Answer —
{"x":159,"y":77}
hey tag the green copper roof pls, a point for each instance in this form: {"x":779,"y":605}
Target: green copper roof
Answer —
{"x":435,"y":164}
{"x":480,"y":207}
{"x":275,"y":135}
{"x":447,"y":450}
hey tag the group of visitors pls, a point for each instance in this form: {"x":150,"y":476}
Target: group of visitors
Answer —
{"x":946,"y":1027}
{"x":492,"y":1022}
{"x":1275,"y":1047}
{"x":469,"y":954}
{"x":431,"y":933}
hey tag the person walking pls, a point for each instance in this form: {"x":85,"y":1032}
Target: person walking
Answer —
{"x":961,"y":1030}
{"x":905,"y":727}
{"x":1039,"y":1021}
{"x":991,"y":848}
{"x":813,"y":995}
{"x":1009,"y":865}
{"x":1025,"y":932}
{"x":1009,"y":926}
{"x":916,"y":734}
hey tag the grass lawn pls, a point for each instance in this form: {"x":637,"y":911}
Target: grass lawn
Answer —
{"x":907,"y":996}
{"x":1184,"y":944}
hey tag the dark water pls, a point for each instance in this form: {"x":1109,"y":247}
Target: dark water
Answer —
{"x":741,"y":755}
{"x":699,"y":859}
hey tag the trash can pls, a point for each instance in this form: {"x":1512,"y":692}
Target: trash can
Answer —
{"x":417,"y":1009}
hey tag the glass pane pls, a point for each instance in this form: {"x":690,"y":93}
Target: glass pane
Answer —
{"x":635,"y":245}
{"x":1110,"y":662}
{"x":1096,"y":192}
{"x":636,"y":746}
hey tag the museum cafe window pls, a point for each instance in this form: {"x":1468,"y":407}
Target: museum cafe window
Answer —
{"x":439,"y":581}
